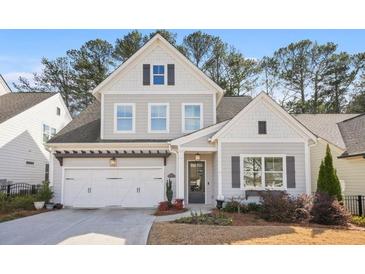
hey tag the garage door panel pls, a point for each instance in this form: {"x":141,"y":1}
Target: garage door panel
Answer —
{"x":130,"y":187}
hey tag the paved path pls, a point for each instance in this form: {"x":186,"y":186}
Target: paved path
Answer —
{"x":80,"y":226}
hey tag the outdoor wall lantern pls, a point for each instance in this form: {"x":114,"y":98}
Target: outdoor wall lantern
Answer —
{"x":113,"y":162}
{"x":197,"y":157}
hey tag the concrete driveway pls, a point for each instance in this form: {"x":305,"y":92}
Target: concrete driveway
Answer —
{"x":79,"y":226}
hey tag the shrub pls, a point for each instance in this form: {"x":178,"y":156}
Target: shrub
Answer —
{"x":254,"y":207}
{"x":281,"y":207}
{"x":327,"y":210}
{"x":45,"y":193}
{"x":358,"y":220}
{"x":169,"y":192}
{"x":4,"y":202}
{"x":22,"y":202}
{"x":206,"y":219}
{"x":328,"y":181}
{"x":232,"y":206}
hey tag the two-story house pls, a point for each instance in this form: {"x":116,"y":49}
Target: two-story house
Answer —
{"x":158,"y":116}
{"x":27,"y":121}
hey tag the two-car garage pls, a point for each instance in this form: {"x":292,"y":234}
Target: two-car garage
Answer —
{"x":114,"y":186}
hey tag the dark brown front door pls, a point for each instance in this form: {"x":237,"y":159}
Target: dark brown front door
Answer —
{"x":196,"y":182}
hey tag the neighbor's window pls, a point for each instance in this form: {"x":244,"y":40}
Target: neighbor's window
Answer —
{"x":159,"y":117}
{"x":158,"y":75}
{"x":48,"y":133}
{"x":192,"y":115}
{"x":125,"y":116}
{"x":263,"y":172}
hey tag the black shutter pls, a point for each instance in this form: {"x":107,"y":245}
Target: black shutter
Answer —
{"x":171,"y":74}
{"x":146,"y":74}
{"x":262,"y":127}
{"x":236,"y":178}
{"x":290,"y":171}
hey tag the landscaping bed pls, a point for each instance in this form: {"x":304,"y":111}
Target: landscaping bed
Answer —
{"x":8,"y":216}
{"x":170,"y":211}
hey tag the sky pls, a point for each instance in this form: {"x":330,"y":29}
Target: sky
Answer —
{"x":21,"y":50}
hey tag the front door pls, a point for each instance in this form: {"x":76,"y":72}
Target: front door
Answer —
{"x":196,"y":182}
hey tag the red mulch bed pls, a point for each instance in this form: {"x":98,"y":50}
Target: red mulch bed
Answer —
{"x":8,"y":216}
{"x":171,"y":211}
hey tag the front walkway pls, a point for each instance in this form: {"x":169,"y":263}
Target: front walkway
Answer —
{"x":192,"y":208}
{"x":80,"y":226}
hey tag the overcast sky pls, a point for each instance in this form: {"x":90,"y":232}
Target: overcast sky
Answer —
{"x":22,"y":50}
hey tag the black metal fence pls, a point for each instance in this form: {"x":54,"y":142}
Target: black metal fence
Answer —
{"x":355,"y":204}
{"x":19,"y":189}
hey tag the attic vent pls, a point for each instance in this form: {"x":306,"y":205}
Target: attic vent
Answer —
{"x":262,"y":127}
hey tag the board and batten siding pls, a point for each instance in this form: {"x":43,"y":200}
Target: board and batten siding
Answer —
{"x":141,"y":104}
{"x":236,"y":149}
{"x":350,"y":171}
{"x":104,"y":162}
{"x":21,"y":140}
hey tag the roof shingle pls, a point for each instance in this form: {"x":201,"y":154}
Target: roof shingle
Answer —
{"x":353,"y":134}
{"x":14,"y":103}
{"x":230,"y":106}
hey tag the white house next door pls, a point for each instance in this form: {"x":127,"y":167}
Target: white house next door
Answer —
{"x":121,"y":187}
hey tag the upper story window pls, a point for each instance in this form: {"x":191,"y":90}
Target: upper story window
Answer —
{"x":192,"y":115}
{"x":158,"y":75}
{"x":158,"y":117}
{"x":58,"y":111}
{"x":124,"y":118}
{"x":263,"y":171}
{"x":48,"y":133}
{"x":262,"y":127}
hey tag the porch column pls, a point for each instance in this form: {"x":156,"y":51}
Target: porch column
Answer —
{"x":180,"y":174}
{"x":308,"y":179}
{"x":220,"y":188}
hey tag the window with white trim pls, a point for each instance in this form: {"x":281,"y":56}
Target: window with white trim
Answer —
{"x":48,"y":133}
{"x":158,"y":74}
{"x":158,"y":117}
{"x":192,"y":117}
{"x":263,"y":171}
{"x":124,"y":117}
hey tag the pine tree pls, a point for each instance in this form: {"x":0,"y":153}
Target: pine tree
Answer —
{"x":328,"y":181}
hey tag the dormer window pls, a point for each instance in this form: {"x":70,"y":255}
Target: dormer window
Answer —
{"x":262,"y":127}
{"x":158,"y":75}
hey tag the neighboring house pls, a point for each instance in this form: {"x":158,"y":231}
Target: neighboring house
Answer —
{"x":157,"y":115}
{"x":4,"y":88}
{"x":27,"y":121}
{"x":345,"y":134}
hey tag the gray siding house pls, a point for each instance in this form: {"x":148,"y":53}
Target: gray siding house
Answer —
{"x":158,"y":115}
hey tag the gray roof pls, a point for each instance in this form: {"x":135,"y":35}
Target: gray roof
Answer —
{"x":14,"y":103}
{"x":353,"y":134}
{"x":230,"y":106}
{"x":85,"y":128}
{"x":325,"y":126}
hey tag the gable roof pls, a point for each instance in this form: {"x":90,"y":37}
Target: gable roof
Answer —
{"x":353,"y":134}
{"x":230,"y":106}
{"x":153,"y":40}
{"x":325,"y":126}
{"x":263,"y":96}
{"x":4,"y":87}
{"x":13,"y":103}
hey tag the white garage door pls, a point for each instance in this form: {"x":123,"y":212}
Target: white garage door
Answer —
{"x":128,"y":187}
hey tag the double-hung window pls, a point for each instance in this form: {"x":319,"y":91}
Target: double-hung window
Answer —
{"x":192,"y":117}
{"x":158,"y":74}
{"x":263,"y":172}
{"x":158,"y":117}
{"x":48,"y":133}
{"x":125,"y":118}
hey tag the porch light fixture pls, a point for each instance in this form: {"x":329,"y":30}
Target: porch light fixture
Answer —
{"x":197,"y":157}
{"x":113,"y":162}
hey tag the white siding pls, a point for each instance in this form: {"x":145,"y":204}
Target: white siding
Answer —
{"x":157,"y":54}
{"x":351,"y":171}
{"x":21,"y":140}
{"x":235,"y":149}
{"x":141,"y":103}
{"x":247,"y":127}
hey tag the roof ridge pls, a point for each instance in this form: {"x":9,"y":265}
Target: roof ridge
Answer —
{"x":359,"y":115}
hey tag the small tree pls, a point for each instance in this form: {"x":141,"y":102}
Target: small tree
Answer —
{"x":328,"y":181}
